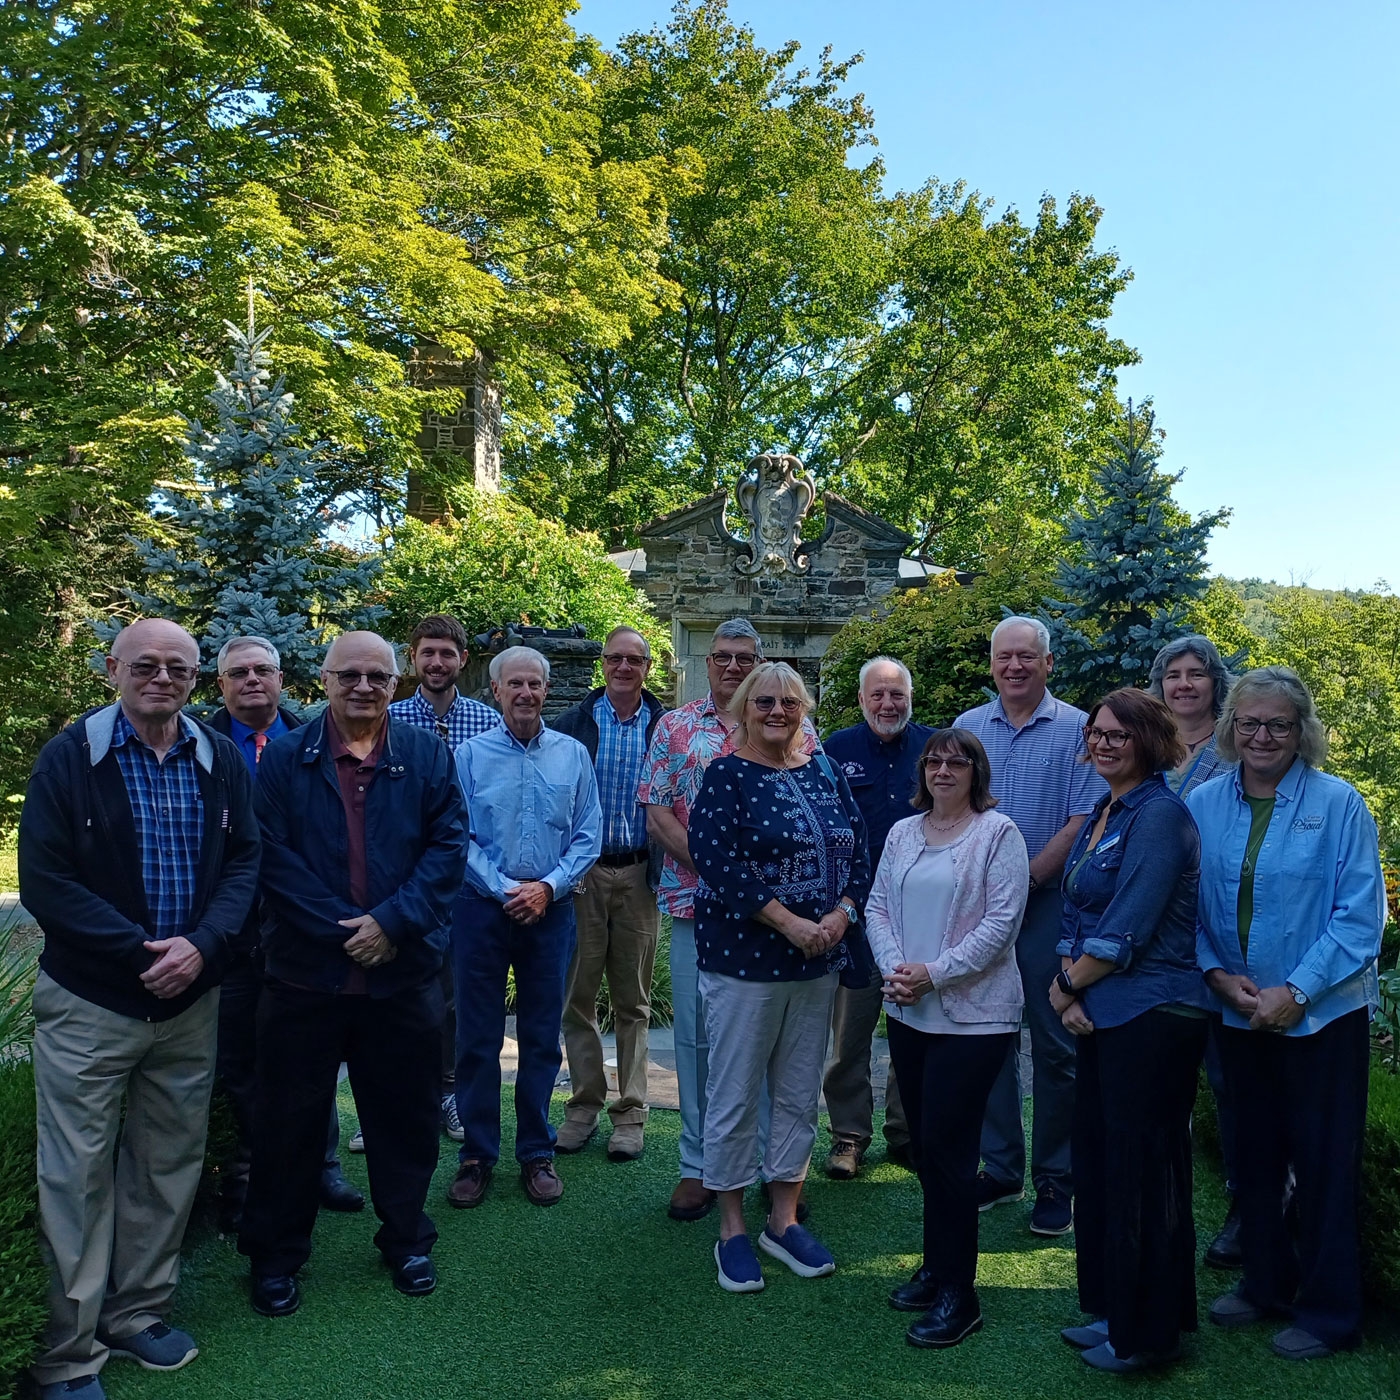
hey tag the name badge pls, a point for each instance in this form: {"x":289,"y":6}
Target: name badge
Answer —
{"x":1108,"y":843}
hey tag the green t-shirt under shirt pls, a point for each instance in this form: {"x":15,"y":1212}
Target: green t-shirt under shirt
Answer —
{"x":1261,"y":809}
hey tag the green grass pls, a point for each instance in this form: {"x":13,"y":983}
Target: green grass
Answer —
{"x":604,"y":1298}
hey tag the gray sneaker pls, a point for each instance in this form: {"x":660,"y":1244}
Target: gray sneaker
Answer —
{"x":357,"y":1142}
{"x":84,"y":1387}
{"x":158,"y":1347}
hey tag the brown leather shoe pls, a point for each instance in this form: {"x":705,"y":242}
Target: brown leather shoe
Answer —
{"x":690,"y":1200}
{"x":541,"y":1181}
{"x":469,"y":1187}
{"x":625,"y":1144}
{"x":843,"y":1161}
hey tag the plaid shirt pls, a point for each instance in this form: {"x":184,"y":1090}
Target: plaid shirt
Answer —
{"x":683,"y":745}
{"x":169,"y":815}
{"x":465,"y":718}
{"x":622,"y":750}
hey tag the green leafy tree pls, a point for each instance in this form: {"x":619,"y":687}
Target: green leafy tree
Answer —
{"x":941,"y":632}
{"x":1134,"y":562}
{"x":492,"y":561}
{"x":254,"y":556}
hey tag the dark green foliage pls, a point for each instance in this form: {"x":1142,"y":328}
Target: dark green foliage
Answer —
{"x":1132,"y":566}
{"x":23,"y":1279}
{"x":941,"y":632}
{"x":1380,"y":1211}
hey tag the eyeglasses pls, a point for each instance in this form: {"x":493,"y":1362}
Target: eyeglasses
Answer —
{"x":1278,"y":728}
{"x":624,"y":658}
{"x":744,"y":660}
{"x":379,"y":680}
{"x":241,"y":673}
{"x":790,"y":703}
{"x":954,"y":763}
{"x":147,"y":670}
{"x":1109,"y":738}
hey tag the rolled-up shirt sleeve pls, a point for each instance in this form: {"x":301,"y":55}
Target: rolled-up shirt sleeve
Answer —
{"x":713,"y":836}
{"x":1158,"y":850}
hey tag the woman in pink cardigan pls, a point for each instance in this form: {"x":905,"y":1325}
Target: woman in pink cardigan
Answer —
{"x":942,"y":920}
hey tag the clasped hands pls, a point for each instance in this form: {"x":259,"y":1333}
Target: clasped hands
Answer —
{"x":907,"y":983}
{"x":812,"y":938}
{"x":1071,"y":1012}
{"x":527,"y":901}
{"x":368,"y":945}
{"x":1268,"y":1008}
{"x":178,"y":962}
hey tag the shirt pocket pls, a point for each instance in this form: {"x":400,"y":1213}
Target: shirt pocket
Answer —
{"x":556,"y":806}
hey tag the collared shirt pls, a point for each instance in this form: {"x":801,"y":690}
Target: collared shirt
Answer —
{"x":464,"y":718}
{"x":1319,"y":896}
{"x":169,"y":814}
{"x":247,"y":739}
{"x":685,"y":742}
{"x":533,"y":810}
{"x":1201,"y":767}
{"x":1131,"y":901}
{"x":355,"y":775}
{"x":1037,"y":777}
{"x":882,"y":773}
{"x":622,"y":751}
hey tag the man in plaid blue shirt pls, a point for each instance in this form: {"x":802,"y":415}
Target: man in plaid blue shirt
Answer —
{"x":139,"y":858}
{"x":436,"y":650}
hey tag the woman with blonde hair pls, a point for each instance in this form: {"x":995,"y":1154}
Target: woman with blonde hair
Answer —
{"x":780,"y":850}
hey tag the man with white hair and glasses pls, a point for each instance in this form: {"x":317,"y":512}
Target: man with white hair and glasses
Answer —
{"x":879,"y":758}
{"x":1034,"y":743}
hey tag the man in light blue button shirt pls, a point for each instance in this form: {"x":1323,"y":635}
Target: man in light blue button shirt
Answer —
{"x":1034,"y":743}
{"x":536,"y":829}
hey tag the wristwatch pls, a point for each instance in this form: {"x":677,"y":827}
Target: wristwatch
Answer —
{"x":849,"y":910}
{"x":1300,"y":997}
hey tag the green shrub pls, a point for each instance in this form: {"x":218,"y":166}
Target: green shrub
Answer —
{"x":23,"y":1278}
{"x":1380,"y":1209}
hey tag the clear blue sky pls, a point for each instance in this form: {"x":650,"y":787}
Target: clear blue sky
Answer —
{"x":1245,"y":154}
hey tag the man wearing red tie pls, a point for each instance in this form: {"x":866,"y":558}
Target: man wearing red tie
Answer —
{"x":250,"y":682}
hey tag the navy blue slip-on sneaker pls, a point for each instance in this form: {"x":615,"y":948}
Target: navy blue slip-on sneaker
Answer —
{"x":1104,"y":1358}
{"x":1053,"y":1213}
{"x":1093,"y":1334}
{"x":158,"y":1347}
{"x":738,"y":1266}
{"x":800,"y":1250}
{"x":84,"y":1387}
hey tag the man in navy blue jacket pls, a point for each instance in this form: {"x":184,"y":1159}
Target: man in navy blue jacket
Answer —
{"x":364,"y":849}
{"x":138,"y":856}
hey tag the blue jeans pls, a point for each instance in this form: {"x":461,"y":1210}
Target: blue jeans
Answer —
{"x":1052,"y":1064}
{"x":485,"y":945}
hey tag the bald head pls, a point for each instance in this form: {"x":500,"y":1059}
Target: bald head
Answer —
{"x":153,"y":632}
{"x":153,"y":665}
{"x":360,"y":644}
{"x":359,"y":674}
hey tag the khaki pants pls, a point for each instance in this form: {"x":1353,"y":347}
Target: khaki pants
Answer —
{"x":850,"y":1102}
{"x":618,"y":925}
{"x":112,"y":1237}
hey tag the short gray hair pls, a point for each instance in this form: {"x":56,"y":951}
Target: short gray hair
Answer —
{"x":234,"y":643}
{"x":1205,"y":651}
{"x":737,"y":627}
{"x":885,"y":661}
{"x":1042,"y":632}
{"x":503,"y":658}
{"x":618,"y":631}
{"x":1285,"y":683}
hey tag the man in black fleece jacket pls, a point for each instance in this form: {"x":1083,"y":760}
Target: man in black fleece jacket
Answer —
{"x":138,"y":856}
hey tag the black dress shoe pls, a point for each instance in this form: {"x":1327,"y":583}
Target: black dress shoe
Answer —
{"x":338,"y":1194}
{"x":416,"y":1275}
{"x":1225,"y":1251}
{"x":955,"y":1314}
{"x":275,"y":1295}
{"x":918,"y":1295}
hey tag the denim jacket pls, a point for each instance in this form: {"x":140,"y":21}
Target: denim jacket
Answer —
{"x":1133,"y":903}
{"x":1319,"y":897}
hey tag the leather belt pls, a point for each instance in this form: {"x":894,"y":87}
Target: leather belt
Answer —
{"x":625,"y":858}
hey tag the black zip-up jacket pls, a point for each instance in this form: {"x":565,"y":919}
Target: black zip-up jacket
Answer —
{"x":415,"y":845}
{"x":244,"y":948}
{"x":578,"y":723}
{"x":80,"y":867}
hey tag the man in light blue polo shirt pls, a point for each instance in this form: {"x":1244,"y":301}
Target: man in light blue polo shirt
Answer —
{"x":1034,"y":743}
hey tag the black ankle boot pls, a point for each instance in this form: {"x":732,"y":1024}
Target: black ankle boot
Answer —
{"x":955,"y":1314}
{"x":1224,"y":1251}
{"x":918,"y":1295}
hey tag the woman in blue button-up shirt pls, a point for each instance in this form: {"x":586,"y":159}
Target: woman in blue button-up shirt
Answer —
{"x":1132,"y":994}
{"x":1291,"y":910}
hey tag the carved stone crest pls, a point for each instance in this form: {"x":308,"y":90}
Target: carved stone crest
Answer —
{"x":775,"y":494}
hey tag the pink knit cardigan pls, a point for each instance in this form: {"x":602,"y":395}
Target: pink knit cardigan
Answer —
{"x":976,"y":974}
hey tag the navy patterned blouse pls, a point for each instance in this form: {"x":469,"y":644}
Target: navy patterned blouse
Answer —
{"x":756,"y":834}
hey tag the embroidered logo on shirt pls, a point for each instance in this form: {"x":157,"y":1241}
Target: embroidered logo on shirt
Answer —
{"x":852,"y":769}
{"x":1313,"y":823}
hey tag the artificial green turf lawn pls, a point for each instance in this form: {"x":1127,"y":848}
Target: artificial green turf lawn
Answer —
{"x":604,"y":1298}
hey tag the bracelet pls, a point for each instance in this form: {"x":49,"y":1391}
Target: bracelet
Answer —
{"x":1065,"y":985}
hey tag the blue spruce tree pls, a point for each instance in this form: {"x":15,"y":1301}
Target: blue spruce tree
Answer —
{"x":259,"y":558}
{"x":1135,"y":562}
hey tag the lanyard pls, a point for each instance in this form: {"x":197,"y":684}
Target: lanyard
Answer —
{"x":1181,"y":787}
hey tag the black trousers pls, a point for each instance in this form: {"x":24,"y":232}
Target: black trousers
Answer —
{"x":944,"y":1083}
{"x":1134,"y":1233}
{"x":1302,"y":1099}
{"x":393,"y":1050}
{"x":236,"y":1067}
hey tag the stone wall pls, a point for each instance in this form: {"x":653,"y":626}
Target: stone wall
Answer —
{"x":572,"y":661}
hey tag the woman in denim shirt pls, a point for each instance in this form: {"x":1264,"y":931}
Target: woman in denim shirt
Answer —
{"x":1291,"y":911}
{"x":1131,"y":991}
